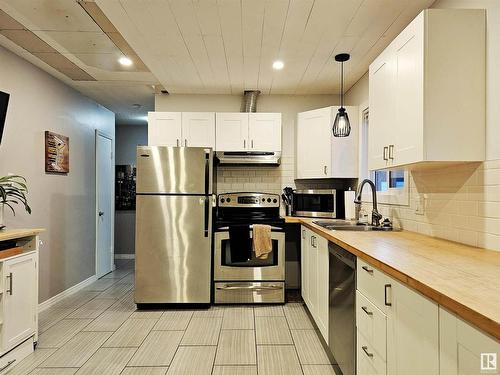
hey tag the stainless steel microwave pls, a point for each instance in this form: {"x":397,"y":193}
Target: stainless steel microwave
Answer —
{"x":326,"y":203}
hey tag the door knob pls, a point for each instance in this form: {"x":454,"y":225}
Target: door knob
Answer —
{"x":101,"y":213}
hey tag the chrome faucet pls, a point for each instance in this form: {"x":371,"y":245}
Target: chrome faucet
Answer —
{"x":376,"y":216}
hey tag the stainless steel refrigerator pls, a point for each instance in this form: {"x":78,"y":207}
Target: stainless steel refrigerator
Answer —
{"x":173,"y":242}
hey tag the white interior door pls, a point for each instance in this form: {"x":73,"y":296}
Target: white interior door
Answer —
{"x":104,"y":204}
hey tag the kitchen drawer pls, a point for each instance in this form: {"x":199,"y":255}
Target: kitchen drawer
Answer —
{"x":369,"y":362}
{"x":250,"y":292}
{"x":372,"y":323}
{"x":372,"y":283}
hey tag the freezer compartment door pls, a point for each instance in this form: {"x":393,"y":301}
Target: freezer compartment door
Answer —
{"x":173,"y":249}
{"x":174,"y":170}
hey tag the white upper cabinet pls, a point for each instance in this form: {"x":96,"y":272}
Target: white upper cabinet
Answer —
{"x":232,"y":131}
{"x":193,"y":129}
{"x":164,"y":128}
{"x":427,"y":92}
{"x":248,"y":131}
{"x":198,"y":129}
{"x":319,"y":153}
{"x":264,"y":131}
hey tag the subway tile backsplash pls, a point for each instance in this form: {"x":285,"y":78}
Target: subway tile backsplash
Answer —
{"x":462,"y":203}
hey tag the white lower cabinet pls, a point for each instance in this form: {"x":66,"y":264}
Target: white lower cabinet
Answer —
{"x":464,"y":350}
{"x":412,"y":332}
{"x":20,"y":300}
{"x":315,"y":278}
{"x":397,"y":327}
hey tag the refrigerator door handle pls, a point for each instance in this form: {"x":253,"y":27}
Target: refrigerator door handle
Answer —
{"x":206,"y":209}
{"x":207,"y":172}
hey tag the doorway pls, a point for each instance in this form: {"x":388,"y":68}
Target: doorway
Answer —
{"x":105,"y":211}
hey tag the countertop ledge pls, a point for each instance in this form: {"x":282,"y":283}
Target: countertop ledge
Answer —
{"x":461,"y":278}
{"x":11,"y":234}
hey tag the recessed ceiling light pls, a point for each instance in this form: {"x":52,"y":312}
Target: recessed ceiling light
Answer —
{"x":125,"y":61}
{"x":278,"y":65}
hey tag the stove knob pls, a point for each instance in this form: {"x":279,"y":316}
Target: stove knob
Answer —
{"x":222,"y":200}
{"x":268,"y":200}
{"x":228,"y":200}
{"x":275,"y":200}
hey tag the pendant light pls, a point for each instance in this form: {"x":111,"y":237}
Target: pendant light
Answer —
{"x":341,"y":125}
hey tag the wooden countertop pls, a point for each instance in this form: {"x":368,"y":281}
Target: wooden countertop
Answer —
{"x":463,"y":279}
{"x":11,"y":234}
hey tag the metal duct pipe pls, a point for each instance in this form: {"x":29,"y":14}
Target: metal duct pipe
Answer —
{"x":250,"y":101}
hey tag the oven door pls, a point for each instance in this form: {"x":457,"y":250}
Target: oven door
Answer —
{"x":255,"y":269}
{"x":314,"y":203}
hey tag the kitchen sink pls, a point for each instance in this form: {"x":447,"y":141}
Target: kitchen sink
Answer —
{"x":349,"y":226}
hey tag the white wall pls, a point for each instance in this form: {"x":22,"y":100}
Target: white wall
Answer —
{"x":251,"y":178}
{"x":462,"y":202}
{"x":62,"y":204}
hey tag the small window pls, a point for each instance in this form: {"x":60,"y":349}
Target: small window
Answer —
{"x":392,"y":186}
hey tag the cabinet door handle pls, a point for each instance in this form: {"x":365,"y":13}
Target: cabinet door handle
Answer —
{"x":365,"y":349}
{"x":185,"y":143}
{"x":10,"y":283}
{"x":391,"y":152}
{"x":244,"y":143}
{"x":370,"y":271}
{"x":325,"y":170}
{"x":386,"y":287}
{"x":177,"y":141}
{"x":386,"y":149}
{"x":303,"y":233}
{"x":365,"y":309}
{"x":252,"y":143}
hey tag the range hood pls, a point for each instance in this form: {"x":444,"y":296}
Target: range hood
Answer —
{"x":249,"y":157}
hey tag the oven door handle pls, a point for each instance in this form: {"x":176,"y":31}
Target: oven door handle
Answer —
{"x":251,"y":227}
{"x":250,"y":287}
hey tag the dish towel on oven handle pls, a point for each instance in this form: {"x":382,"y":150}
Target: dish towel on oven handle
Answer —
{"x":262,"y":243}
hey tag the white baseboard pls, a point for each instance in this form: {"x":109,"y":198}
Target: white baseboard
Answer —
{"x":75,"y":288}
{"x":124,"y":256}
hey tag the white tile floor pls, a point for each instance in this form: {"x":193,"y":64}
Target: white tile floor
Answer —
{"x":99,"y":331}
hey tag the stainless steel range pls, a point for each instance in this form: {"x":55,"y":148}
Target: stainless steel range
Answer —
{"x":240,"y":276}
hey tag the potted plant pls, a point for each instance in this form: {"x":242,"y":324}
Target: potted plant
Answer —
{"x":13,"y":191}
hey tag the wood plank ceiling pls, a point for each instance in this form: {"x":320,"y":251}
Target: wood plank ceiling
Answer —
{"x":211,"y":46}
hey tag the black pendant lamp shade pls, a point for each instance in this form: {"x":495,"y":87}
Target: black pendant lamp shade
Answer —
{"x":341,"y":125}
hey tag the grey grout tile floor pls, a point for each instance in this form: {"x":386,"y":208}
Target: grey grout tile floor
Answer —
{"x":99,"y":331}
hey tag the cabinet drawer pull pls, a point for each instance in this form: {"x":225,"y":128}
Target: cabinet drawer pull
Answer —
{"x":386,"y":287}
{"x":303,"y":234}
{"x":365,"y":349}
{"x":325,"y":170}
{"x":244,"y":143}
{"x":252,"y":143}
{"x":10,"y":283}
{"x":177,"y":140}
{"x":370,"y":271}
{"x":365,"y":309}
{"x":185,"y":142}
{"x":391,"y":152}
{"x":386,"y":149}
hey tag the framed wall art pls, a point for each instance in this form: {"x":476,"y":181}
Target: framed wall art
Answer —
{"x":56,"y":153}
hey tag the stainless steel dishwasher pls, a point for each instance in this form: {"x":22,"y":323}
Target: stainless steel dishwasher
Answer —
{"x":342,"y":311}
